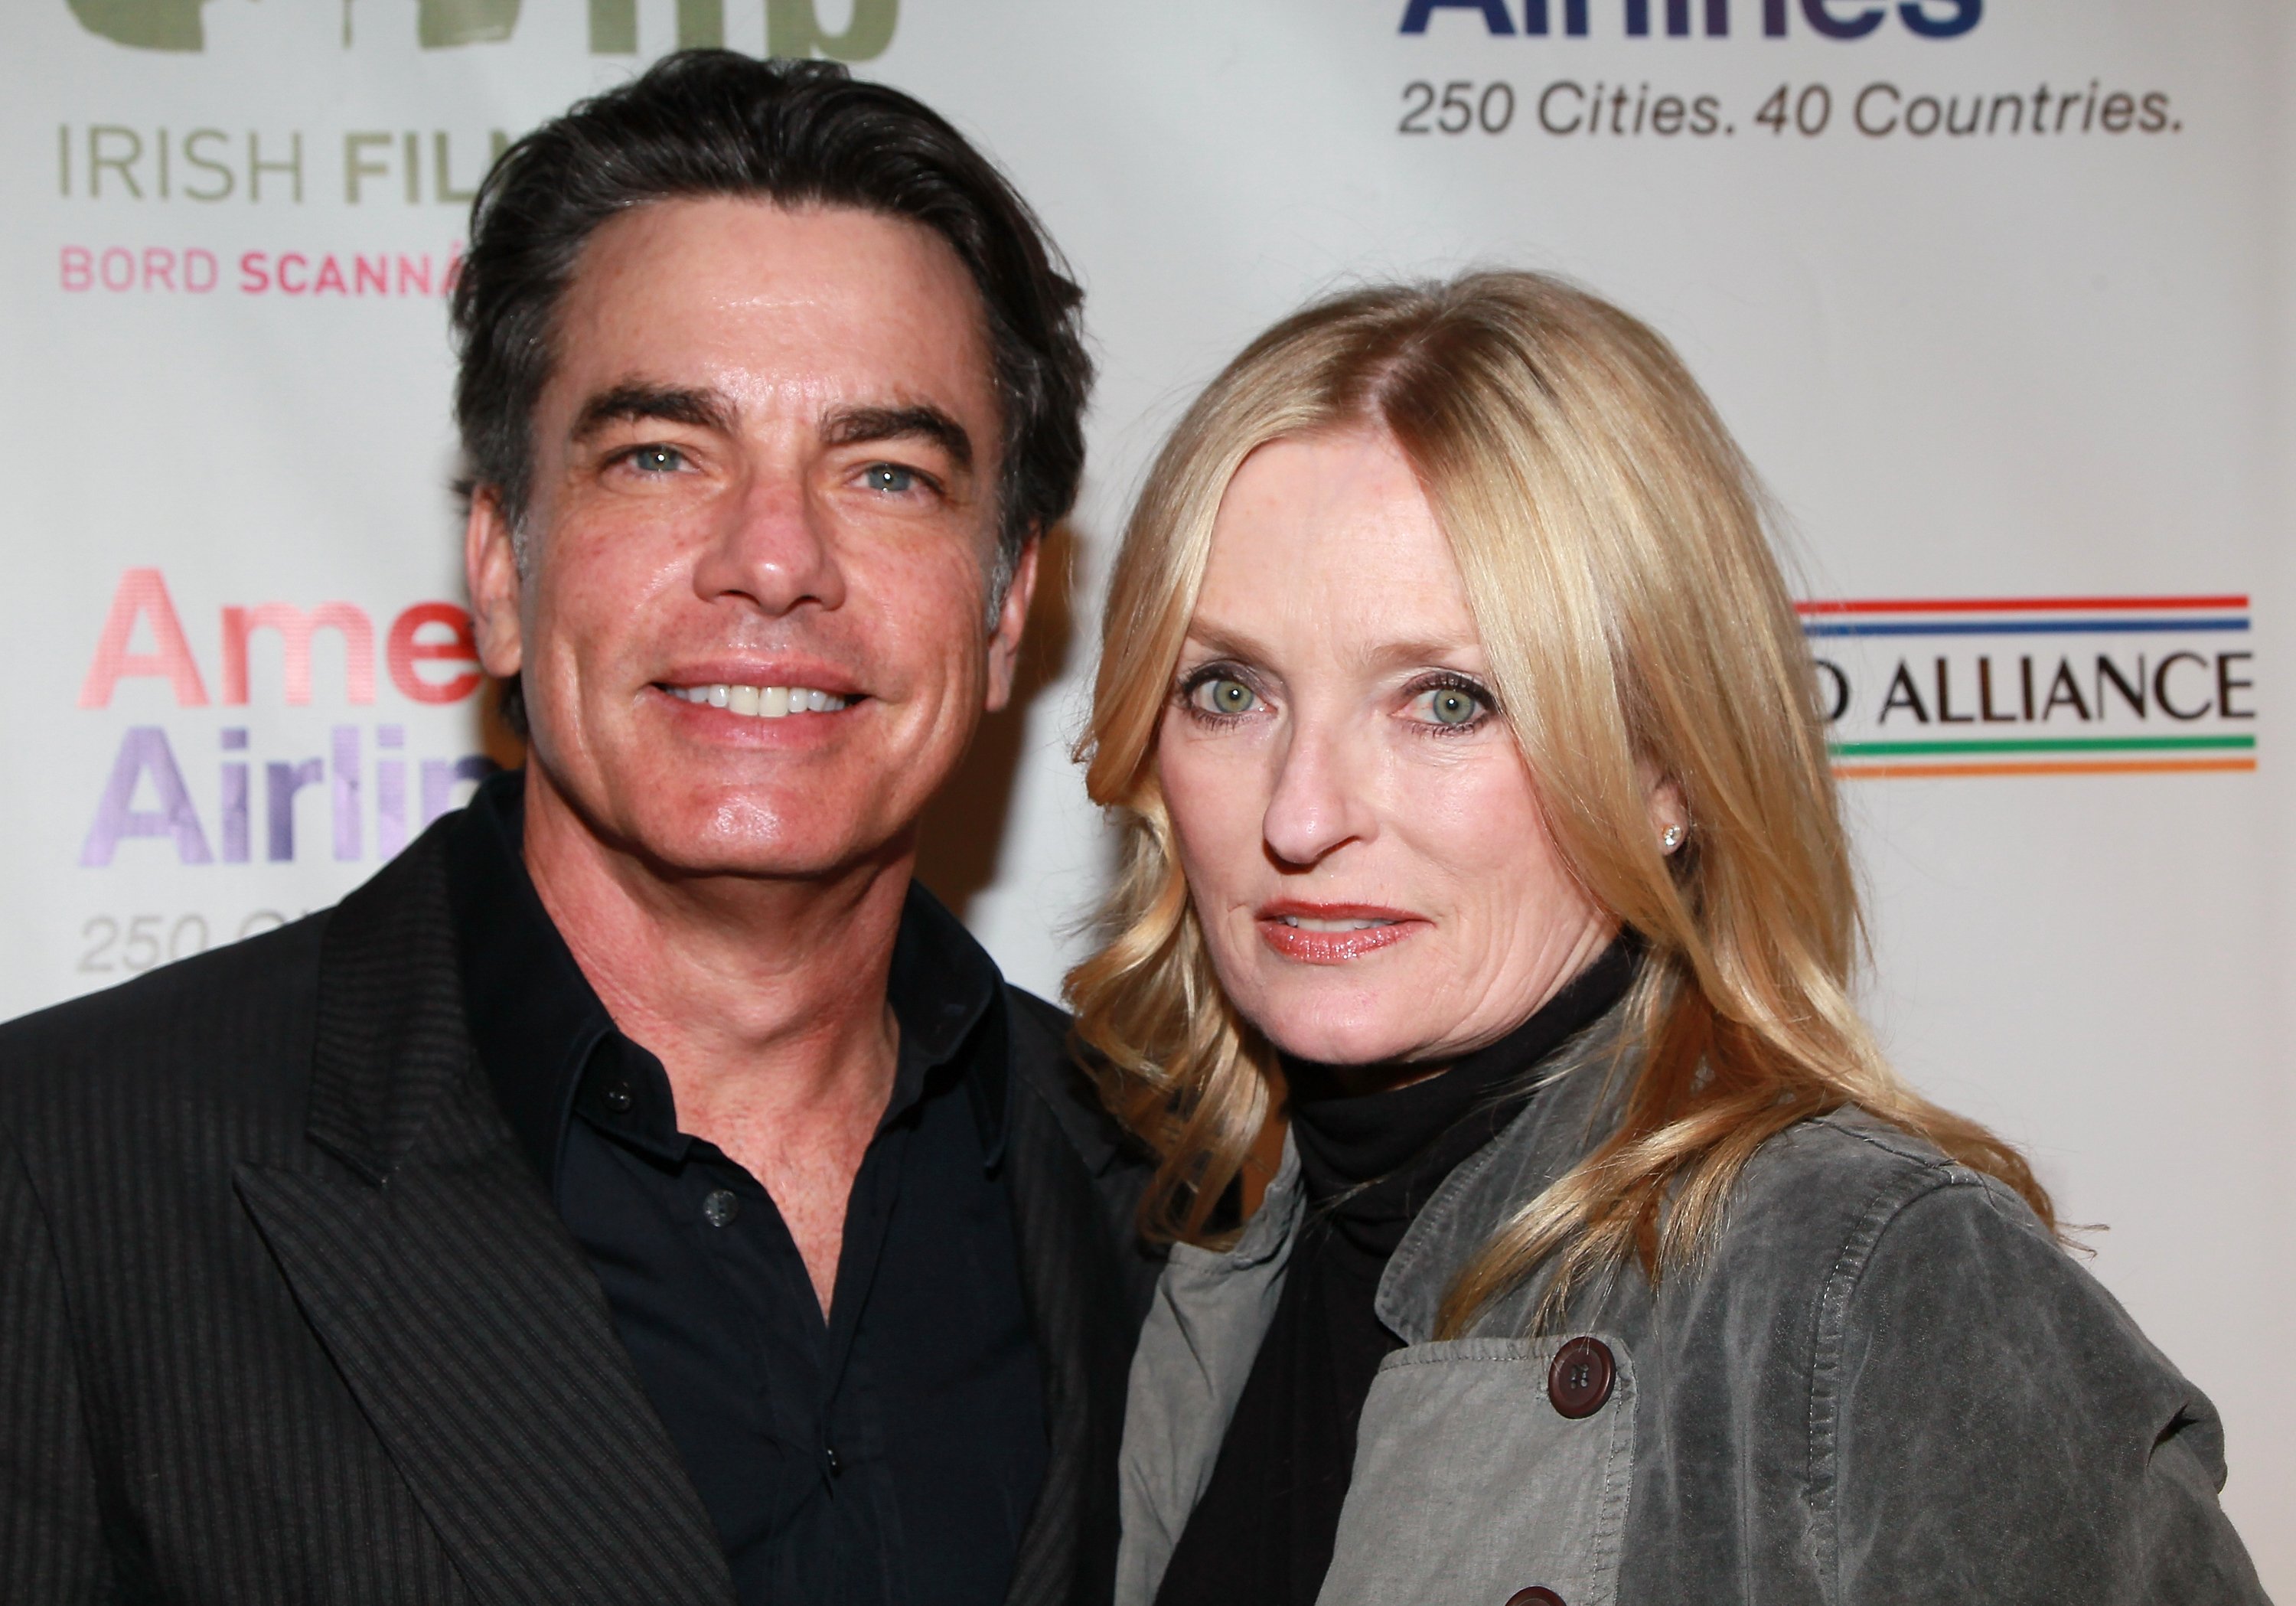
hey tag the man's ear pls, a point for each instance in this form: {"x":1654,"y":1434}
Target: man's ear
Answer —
{"x":490,"y":569}
{"x":1011,"y":620}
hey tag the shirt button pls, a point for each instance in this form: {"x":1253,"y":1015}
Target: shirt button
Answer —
{"x":721,"y":1207}
{"x":1534,"y":1597}
{"x":828,"y":1459}
{"x":619,"y":1099}
{"x":1578,"y":1382}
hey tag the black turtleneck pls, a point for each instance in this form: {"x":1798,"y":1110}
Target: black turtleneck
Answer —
{"x":1262,"y":1533}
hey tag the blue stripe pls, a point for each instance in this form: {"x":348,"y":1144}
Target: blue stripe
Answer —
{"x":2033,"y":627}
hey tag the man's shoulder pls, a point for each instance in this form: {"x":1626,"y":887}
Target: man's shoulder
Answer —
{"x":231,"y":1033}
{"x":1050,"y":1065}
{"x":232,"y":1026}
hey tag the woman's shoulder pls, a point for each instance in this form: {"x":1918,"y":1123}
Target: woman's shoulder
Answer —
{"x":1870,"y":1235}
{"x":1817,"y":1202}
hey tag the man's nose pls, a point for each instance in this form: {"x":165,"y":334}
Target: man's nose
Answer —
{"x":1318,"y":804}
{"x":773,"y":544}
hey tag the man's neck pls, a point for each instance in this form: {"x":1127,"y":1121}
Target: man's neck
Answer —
{"x":763,"y":999}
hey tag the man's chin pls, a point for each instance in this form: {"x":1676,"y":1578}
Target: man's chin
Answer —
{"x":745,"y":849}
{"x":741,"y":833}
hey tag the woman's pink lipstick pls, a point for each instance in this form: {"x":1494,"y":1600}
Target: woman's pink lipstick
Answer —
{"x":1331,"y":934}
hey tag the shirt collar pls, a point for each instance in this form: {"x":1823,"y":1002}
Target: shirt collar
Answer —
{"x":547,"y":1043}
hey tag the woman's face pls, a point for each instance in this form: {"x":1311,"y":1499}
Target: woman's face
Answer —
{"x":1361,"y":838}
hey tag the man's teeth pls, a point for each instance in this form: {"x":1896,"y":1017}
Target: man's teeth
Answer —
{"x":1305,"y":924}
{"x":762,"y":701}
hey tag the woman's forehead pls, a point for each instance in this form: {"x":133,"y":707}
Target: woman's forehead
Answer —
{"x":1333,"y":531}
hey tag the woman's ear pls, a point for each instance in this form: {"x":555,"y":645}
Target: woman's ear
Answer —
{"x":1669,"y":814}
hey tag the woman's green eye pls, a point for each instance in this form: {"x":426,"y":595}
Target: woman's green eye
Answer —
{"x":1448,"y":705}
{"x":1221,"y":695}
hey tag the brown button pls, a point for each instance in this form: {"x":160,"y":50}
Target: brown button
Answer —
{"x":1579,"y":1380}
{"x":1534,"y":1597}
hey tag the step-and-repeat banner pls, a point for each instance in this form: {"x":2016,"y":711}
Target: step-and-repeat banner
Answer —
{"x":1994,"y":292}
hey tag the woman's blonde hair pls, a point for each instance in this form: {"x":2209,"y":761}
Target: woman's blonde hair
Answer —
{"x":1612,"y":541}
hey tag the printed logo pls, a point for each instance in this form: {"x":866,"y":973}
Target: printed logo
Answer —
{"x":1827,"y":18}
{"x":793,"y":27}
{"x":2034,"y":685}
{"x":349,"y":806}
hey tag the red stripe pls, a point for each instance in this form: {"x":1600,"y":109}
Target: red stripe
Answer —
{"x":2023,"y":605}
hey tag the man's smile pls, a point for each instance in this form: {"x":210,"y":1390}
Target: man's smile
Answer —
{"x":763,"y":701}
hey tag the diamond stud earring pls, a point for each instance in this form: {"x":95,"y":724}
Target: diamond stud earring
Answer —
{"x":1671,"y":838}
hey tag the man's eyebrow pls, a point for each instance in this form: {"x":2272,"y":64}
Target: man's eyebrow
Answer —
{"x":634,"y":399}
{"x":854,"y":426}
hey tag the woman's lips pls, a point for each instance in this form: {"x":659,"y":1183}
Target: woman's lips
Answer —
{"x":1333,"y":935}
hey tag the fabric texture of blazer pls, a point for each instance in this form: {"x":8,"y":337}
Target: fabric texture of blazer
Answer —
{"x":286,"y":1316}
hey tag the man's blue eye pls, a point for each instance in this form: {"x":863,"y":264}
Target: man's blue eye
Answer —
{"x":657,"y":460}
{"x":892,"y":478}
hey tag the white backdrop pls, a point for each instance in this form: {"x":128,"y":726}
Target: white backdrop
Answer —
{"x":2043,"y":361}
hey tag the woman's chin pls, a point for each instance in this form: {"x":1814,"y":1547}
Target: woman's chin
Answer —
{"x":1327,"y":1041}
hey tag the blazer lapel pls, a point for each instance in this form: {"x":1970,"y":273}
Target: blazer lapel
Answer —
{"x":460,"y":1313}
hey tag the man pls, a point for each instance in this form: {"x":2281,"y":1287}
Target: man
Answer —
{"x":639,"y":1190}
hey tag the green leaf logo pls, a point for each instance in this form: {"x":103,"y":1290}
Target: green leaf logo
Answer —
{"x":445,"y":23}
{"x":145,"y":24}
{"x":792,"y":28}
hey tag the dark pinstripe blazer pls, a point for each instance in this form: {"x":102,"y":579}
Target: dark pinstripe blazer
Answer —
{"x":285,"y":1316}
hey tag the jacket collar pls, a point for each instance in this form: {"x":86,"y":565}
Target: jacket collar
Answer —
{"x":1577,"y":1104}
{"x":391,"y":1051}
{"x":456,"y":1308}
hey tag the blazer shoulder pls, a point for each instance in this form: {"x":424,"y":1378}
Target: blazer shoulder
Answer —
{"x":225,"y":1001}
{"x":229,"y":1029}
{"x":1049,"y":1063}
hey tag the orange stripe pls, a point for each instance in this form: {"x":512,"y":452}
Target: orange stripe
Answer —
{"x":2179,"y":766}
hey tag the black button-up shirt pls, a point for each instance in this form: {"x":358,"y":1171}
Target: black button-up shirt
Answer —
{"x":889,"y":1455}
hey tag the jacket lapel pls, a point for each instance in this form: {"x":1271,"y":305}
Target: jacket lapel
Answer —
{"x":1578,"y":1102}
{"x":428,"y":1261}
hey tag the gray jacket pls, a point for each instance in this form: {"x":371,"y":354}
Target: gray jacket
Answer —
{"x":1886,"y":1385}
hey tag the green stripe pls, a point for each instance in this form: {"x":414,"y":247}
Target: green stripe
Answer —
{"x":2062,"y":743}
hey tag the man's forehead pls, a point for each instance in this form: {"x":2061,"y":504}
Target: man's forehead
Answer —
{"x":776,"y":309}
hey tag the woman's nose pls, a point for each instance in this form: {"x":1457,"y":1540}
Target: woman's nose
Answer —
{"x":774,"y":545}
{"x":1319,"y":805}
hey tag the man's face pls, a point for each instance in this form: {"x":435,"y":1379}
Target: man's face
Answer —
{"x":766,"y":460}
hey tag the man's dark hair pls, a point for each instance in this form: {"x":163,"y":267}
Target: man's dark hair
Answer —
{"x":711,"y":122}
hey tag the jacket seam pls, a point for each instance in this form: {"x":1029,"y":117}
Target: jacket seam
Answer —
{"x":1830,"y":1338}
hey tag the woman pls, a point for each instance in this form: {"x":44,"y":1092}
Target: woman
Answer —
{"x":1480,"y":840}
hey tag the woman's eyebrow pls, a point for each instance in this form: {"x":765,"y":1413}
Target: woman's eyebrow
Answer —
{"x":1222,"y":641}
{"x":1414,"y":653}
